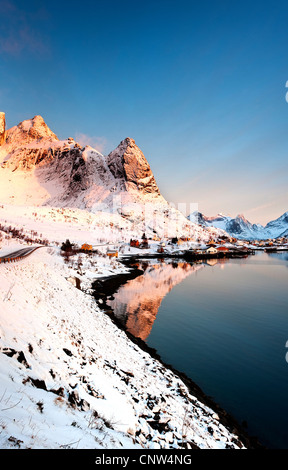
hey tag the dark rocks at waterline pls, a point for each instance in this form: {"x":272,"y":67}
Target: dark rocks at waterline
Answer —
{"x":104,"y":288}
{"x":192,"y":256}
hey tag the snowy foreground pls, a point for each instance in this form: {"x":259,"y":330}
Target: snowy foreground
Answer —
{"x":69,"y":378}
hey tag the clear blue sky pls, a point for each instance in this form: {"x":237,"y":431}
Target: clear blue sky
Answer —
{"x":199,"y":85}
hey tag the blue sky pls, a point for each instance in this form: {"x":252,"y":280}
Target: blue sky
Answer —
{"x":200,"y":86}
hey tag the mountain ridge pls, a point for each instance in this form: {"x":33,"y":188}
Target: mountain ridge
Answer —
{"x":241,"y":228}
{"x":38,"y":169}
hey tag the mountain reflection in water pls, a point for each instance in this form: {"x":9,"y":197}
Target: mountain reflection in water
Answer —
{"x":136,"y":303}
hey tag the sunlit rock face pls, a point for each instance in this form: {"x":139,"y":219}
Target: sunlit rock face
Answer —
{"x":2,"y":128}
{"x":128,"y":162}
{"x":136,"y":303}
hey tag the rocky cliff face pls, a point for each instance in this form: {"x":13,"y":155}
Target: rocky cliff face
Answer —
{"x":128,"y":163}
{"x":82,"y":171}
{"x":28,"y":144}
{"x":2,"y":128}
{"x":30,"y":130}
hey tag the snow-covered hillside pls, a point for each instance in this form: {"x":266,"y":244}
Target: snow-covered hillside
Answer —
{"x":69,"y":378}
{"x":38,"y":170}
{"x":241,"y":228}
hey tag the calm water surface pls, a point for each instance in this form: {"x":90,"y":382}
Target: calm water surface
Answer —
{"x":226,"y":326}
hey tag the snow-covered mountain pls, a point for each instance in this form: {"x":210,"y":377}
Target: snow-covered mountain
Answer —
{"x":278,"y":226}
{"x":241,"y":228}
{"x":38,"y":169}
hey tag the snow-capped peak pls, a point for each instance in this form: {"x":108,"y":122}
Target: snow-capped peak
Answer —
{"x":129,"y":163}
{"x":30,"y":130}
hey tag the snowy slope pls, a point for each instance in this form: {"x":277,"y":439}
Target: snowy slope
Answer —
{"x":241,"y":228}
{"x":69,"y":378}
{"x":37,"y":169}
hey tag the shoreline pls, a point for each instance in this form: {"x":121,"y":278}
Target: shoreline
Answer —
{"x":105,"y":287}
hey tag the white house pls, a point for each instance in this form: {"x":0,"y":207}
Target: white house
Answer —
{"x":211,"y":250}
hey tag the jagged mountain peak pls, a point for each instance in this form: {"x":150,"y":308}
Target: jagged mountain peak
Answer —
{"x":30,"y":130}
{"x":242,"y":218}
{"x":128,"y":163}
{"x":128,"y":142}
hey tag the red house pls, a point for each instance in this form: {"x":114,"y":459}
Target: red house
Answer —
{"x":223,"y":249}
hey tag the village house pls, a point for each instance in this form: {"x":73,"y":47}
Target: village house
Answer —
{"x":222,"y":249}
{"x":134,"y":243}
{"x":112,"y":253}
{"x":86,"y":247}
{"x":211,"y":250}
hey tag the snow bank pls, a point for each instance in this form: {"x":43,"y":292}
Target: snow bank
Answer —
{"x":69,"y":378}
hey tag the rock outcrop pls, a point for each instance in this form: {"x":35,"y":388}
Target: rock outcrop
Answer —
{"x":2,"y":128}
{"x":30,"y":130}
{"x":128,"y":162}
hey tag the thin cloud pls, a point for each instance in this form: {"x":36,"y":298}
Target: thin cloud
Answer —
{"x":258,"y":208}
{"x":20,"y":32}
{"x":98,"y":143}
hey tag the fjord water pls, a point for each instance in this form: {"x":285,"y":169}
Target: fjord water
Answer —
{"x":224,"y":325}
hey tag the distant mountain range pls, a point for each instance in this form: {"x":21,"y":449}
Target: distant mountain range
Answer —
{"x":241,"y":228}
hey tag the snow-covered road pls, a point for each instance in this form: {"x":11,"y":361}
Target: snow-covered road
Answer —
{"x":18,"y":254}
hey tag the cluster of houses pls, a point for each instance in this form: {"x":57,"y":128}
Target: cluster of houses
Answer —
{"x":220,"y":247}
{"x":143,"y":243}
{"x":85,"y":248}
{"x":271,"y":242}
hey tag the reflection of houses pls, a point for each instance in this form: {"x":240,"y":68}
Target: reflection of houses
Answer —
{"x":212,"y":261}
